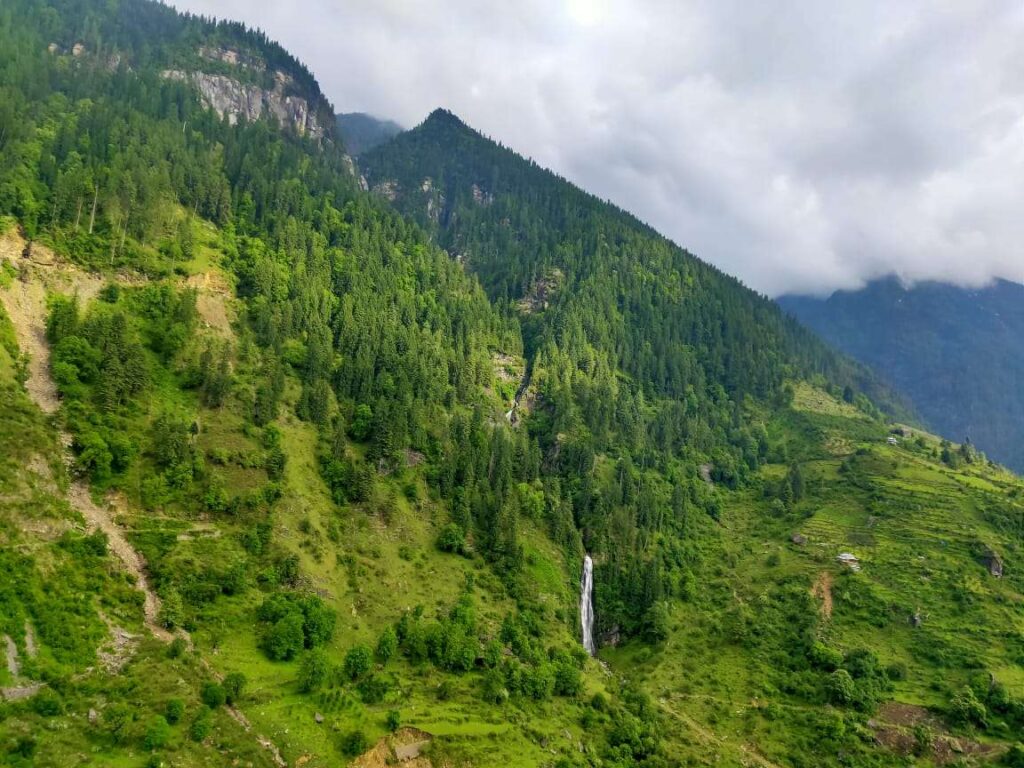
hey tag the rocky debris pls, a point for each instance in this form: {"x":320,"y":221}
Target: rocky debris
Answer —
{"x":30,"y":640}
{"x":850,"y":560}
{"x":405,"y":746}
{"x":916,"y":620}
{"x":705,"y":473}
{"x":19,"y":693}
{"x":994,"y":563}
{"x":232,"y":57}
{"x":77,"y":49}
{"x":480,"y":197}
{"x":387,"y":189}
{"x":541,"y":292}
{"x":235,"y":100}
{"x":318,"y":718}
{"x":94,"y":716}
{"x":13,"y":667}
{"x":799,"y":539}
{"x":115,"y":654}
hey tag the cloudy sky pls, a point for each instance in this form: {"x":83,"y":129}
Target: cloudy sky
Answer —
{"x":803,"y":146}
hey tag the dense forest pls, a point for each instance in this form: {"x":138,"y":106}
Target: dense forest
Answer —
{"x":294,"y":471}
{"x":640,"y":353}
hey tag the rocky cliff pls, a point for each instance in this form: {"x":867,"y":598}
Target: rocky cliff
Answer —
{"x":237,"y":97}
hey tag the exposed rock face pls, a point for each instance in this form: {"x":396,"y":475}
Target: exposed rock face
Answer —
{"x":387,"y":189}
{"x":235,"y":99}
{"x":995,"y":564}
{"x":232,"y":57}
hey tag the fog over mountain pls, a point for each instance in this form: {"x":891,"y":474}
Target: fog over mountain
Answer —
{"x":802,"y":147}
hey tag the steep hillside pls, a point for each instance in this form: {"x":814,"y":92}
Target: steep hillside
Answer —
{"x":284,"y":483}
{"x":362,"y":132}
{"x":957,"y":353}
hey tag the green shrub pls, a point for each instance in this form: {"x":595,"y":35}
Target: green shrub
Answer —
{"x":174,"y":711}
{"x":201,"y":725}
{"x":313,"y":670}
{"x":47,"y":703}
{"x":394,"y":720}
{"x":177,"y":647}
{"x":234,"y":684}
{"x":157,"y":733}
{"x":387,"y":644}
{"x":451,"y":539}
{"x":213,"y":694}
{"x":357,"y":661}
{"x":285,"y":638}
{"x":840,"y":688}
{"x":353,"y":743}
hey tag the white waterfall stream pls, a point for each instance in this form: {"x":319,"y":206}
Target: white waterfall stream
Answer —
{"x":587,"y":605}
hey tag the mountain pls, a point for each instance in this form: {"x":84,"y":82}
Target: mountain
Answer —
{"x":362,"y":132}
{"x":957,"y":353}
{"x":293,"y":473}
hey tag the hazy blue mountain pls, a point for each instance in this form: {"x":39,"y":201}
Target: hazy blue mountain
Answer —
{"x":362,"y":132}
{"x":957,"y":353}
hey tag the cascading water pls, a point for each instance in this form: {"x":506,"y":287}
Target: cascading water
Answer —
{"x":587,"y":605}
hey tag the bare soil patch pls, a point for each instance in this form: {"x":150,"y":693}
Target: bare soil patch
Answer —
{"x":822,"y":590}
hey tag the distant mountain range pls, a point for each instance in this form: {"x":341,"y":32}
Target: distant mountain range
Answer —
{"x":362,"y":132}
{"x":957,"y":353}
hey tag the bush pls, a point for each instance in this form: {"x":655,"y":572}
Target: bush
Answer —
{"x":965,"y":709}
{"x":825,"y":657}
{"x":174,"y":711}
{"x":840,"y":688}
{"x":387,"y":645}
{"x":313,"y":670}
{"x":118,"y":719}
{"x":213,"y":695}
{"x":451,"y":539}
{"x":234,"y":684}
{"x":353,"y":743}
{"x":202,"y":725}
{"x":285,"y":637}
{"x":177,"y":648}
{"x":373,"y":689}
{"x":1014,"y":757}
{"x":394,"y":720}
{"x":157,"y":733}
{"x":47,"y":703}
{"x":358,"y":661}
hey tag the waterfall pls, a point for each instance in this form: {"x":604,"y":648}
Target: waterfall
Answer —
{"x":587,"y":605}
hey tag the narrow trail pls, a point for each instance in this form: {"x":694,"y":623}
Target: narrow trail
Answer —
{"x":750,"y":755}
{"x":25,"y":303}
{"x":822,"y":590}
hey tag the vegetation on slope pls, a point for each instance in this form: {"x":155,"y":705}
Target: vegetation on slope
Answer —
{"x":297,"y":406}
{"x":957,"y":353}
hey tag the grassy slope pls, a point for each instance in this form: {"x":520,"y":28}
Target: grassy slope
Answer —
{"x":918,"y":526}
{"x":918,"y":529}
{"x":370,"y":571}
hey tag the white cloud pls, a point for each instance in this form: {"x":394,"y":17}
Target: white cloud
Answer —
{"x":801,"y":146}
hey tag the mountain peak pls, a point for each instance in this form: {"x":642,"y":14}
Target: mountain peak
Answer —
{"x":447,"y":118}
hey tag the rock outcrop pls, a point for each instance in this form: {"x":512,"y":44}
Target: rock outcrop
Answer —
{"x":234,"y":99}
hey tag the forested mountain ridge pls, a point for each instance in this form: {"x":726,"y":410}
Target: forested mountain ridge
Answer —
{"x":263,"y":500}
{"x":363,"y":132}
{"x":524,"y":231}
{"x":957,"y":353}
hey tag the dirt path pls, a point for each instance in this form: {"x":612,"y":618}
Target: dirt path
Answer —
{"x":750,"y":754}
{"x":25,"y":302}
{"x":12,"y":657}
{"x":822,"y":590}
